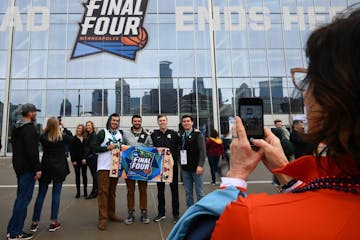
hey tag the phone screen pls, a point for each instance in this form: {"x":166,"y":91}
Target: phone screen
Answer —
{"x":251,"y":113}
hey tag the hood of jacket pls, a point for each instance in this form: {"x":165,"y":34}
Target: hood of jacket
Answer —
{"x":21,"y":123}
{"x":217,"y":140}
{"x":109,"y":120}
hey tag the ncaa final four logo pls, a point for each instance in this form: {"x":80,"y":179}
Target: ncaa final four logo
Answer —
{"x":113,"y":26}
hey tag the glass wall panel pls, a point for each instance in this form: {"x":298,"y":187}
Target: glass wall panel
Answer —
{"x":186,"y":63}
{"x":292,"y":37}
{"x":21,"y":39}
{"x":55,"y":84}
{"x":39,"y":40}
{"x":18,"y":84}
{"x":38,"y":64}
{"x":261,"y":88}
{"x":19,"y":67}
{"x":56,"y":63}
{"x":3,"y":37}
{"x":258,"y":63}
{"x":240,"y":63}
{"x":276,"y":63}
{"x":38,"y":98}
{"x":39,"y":84}
{"x":223,"y":61}
{"x":167,"y":36}
{"x":75,"y":68}
{"x":55,"y":104}
{"x":3,"y":63}
{"x":75,"y":103}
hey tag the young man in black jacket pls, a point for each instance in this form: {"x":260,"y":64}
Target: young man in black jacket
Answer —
{"x":164,"y":137}
{"x":192,"y":159}
{"x":25,"y":159}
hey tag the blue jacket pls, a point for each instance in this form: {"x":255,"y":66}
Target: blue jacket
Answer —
{"x":212,"y":204}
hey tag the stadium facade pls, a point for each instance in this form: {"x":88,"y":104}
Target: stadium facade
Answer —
{"x":71,"y":59}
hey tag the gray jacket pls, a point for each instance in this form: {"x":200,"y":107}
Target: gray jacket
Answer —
{"x":143,"y":140}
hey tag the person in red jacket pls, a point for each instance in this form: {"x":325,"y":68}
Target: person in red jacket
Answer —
{"x":322,"y":199}
{"x":214,"y":150}
{"x":321,"y":192}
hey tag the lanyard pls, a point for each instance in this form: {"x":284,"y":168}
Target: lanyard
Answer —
{"x":185,"y":135}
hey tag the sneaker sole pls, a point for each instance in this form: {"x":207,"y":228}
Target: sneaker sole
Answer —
{"x":34,"y":230}
{"x":160,"y":219}
{"x":54,"y":229}
{"x":25,"y":238}
{"x":128,"y":222}
{"x":146,"y":221}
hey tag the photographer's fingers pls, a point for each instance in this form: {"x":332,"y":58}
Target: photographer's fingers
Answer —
{"x":241,"y":133}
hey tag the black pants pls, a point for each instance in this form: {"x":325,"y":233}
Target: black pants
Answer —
{"x":92,"y":163}
{"x":174,"y":186}
{"x":79,"y":166}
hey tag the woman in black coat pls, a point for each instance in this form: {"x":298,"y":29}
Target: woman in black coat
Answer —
{"x":91,"y":156}
{"x":54,"y":169}
{"x":78,"y":159}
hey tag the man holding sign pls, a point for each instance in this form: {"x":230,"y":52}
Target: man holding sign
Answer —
{"x":108,"y":145}
{"x":164,"y":137}
{"x":137,"y":136}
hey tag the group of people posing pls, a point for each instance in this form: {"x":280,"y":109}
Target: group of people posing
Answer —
{"x":88,"y":148}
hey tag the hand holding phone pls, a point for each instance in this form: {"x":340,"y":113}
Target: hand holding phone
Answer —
{"x":251,"y":111}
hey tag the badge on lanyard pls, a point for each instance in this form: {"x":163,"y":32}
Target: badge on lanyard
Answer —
{"x":183,"y":157}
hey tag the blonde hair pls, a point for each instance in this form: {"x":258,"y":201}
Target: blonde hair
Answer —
{"x":83,"y":129}
{"x":52,"y":130}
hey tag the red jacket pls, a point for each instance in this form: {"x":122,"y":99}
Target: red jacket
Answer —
{"x":321,"y":214}
{"x":214,"y":147}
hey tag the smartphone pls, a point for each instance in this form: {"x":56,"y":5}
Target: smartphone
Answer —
{"x":59,"y":119}
{"x":251,"y":112}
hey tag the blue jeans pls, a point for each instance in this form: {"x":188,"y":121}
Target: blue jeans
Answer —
{"x":25,"y":189}
{"x":55,"y":202}
{"x":190,"y":178}
{"x":213,"y":162}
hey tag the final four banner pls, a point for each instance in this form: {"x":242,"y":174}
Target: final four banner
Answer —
{"x":147,"y":164}
{"x":113,"y":26}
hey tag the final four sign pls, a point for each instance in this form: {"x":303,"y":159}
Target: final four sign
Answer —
{"x":113,"y":26}
{"x":147,"y":164}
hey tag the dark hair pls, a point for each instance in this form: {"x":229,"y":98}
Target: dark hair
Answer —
{"x":214,"y":133}
{"x":296,"y":122}
{"x":333,"y":78}
{"x":276,"y":121}
{"x":187,"y":116}
{"x":135,"y":116}
{"x":161,"y":115}
{"x":109,"y":119}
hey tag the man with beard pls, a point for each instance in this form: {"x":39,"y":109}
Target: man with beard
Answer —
{"x":137,"y":136}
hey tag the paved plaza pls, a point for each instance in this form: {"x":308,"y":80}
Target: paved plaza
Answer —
{"x":79,"y":216}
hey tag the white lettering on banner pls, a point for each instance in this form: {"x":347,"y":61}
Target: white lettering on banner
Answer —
{"x":139,"y":163}
{"x":262,"y":21}
{"x":241,"y":23}
{"x":184,"y":19}
{"x":289,"y":18}
{"x":235,"y":18}
{"x":12,"y":18}
{"x":117,"y":16}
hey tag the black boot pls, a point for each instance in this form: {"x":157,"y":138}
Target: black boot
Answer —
{"x":85,"y":192}
{"x":92,"y":195}
{"x":77,"y":193}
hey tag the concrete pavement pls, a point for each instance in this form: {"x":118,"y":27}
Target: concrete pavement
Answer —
{"x":79,"y":216}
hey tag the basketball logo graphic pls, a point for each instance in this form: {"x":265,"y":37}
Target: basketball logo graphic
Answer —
{"x":139,"y":40}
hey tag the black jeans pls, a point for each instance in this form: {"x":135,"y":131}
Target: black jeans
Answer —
{"x":174,"y":186}
{"x":83,"y":168}
{"x":92,"y":163}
